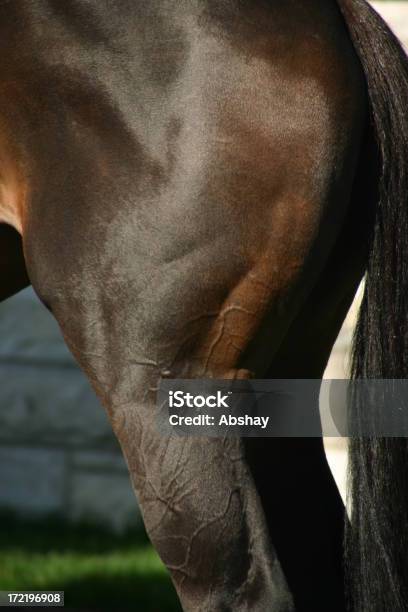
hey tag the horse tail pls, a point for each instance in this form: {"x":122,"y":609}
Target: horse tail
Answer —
{"x":377,"y":537}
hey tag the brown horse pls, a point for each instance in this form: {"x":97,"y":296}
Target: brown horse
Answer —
{"x":192,"y":187}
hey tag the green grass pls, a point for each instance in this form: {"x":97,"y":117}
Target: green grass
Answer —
{"x":96,"y":569}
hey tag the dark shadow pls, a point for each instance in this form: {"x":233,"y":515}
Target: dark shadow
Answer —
{"x":13,"y":273}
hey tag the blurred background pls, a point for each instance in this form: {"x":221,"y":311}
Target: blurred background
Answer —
{"x":68,"y":514}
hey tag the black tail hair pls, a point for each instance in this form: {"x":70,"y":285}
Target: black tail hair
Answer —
{"x":377,"y":539}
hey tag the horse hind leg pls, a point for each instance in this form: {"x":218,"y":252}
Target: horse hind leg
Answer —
{"x":13,"y":273}
{"x":197,"y":495}
{"x":180,"y":278}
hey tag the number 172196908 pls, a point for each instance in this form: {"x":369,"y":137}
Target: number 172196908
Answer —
{"x":31,"y":598}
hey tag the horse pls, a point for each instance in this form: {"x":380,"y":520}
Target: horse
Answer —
{"x":195,"y":189}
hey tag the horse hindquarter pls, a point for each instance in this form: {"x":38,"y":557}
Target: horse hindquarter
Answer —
{"x":169,"y":217}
